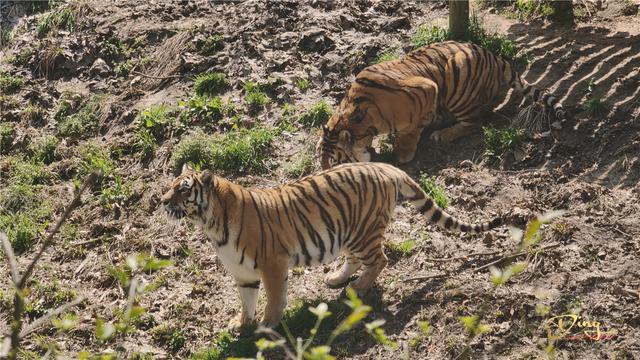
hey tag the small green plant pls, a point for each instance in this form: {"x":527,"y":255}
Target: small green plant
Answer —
{"x":145,"y":143}
{"x":95,"y":158}
{"x":388,"y":55}
{"x":429,"y":34}
{"x":8,"y":103}
{"x":34,"y":114}
{"x":255,"y":98}
{"x":7,"y":133}
{"x":114,"y":194}
{"x":288,"y":118}
{"x":473,"y":325}
{"x":226,"y":345}
{"x":302,"y":165}
{"x":595,"y":107}
{"x":171,"y":337}
{"x":317,"y":115}
{"x":303,"y":84}
{"x":123,"y":68}
{"x":235,"y":152}
{"x":6,"y":36}
{"x":436,"y":192}
{"x":44,"y":149}
{"x":425,"y":331}
{"x":64,"y":19}
{"x":22,"y":58}
{"x":204,"y":108}
{"x":209,"y":83}
{"x":81,"y":124}
{"x":158,"y":120}
{"x":212,"y":44}
{"x":10,"y":84}
{"x":498,"y":141}
{"x":403,"y":248}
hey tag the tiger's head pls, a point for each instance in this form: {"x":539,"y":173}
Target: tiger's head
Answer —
{"x":347,"y":137}
{"x":186,"y":197}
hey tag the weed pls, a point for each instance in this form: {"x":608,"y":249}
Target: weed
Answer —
{"x":44,"y":149}
{"x":404,"y":248}
{"x":302,"y":165}
{"x":388,"y":55}
{"x":34,"y":114}
{"x":8,"y":103}
{"x":6,"y":36}
{"x":473,"y":325}
{"x":499,"y":141}
{"x":171,"y":337}
{"x":115,"y":194}
{"x":235,"y":152}
{"x":21,"y":231}
{"x":226,"y":345}
{"x":303,"y":84}
{"x":255,"y":98}
{"x":425,"y":331}
{"x":123,"y":68}
{"x":429,"y":34}
{"x":204,"y":108}
{"x":209,"y":83}
{"x":81,"y":124}
{"x":288,"y":118}
{"x":95,"y":158}
{"x":7,"y":133}
{"x":435,"y":191}
{"x":317,"y":115}
{"x":29,"y":172}
{"x":595,"y":107}
{"x":52,"y":294}
{"x":145,"y":143}
{"x":22,"y":58}
{"x":10,"y":84}
{"x":158,"y":120}
{"x":212,"y":44}
{"x":64,"y":19}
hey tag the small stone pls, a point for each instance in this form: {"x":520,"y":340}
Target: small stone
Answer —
{"x":100,"y":68}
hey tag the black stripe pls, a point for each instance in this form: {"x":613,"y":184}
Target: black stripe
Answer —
{"x":449,"y":223}
{"x":253,"y":285}
{"x":427,"y":205}
{"x":436,"y":216}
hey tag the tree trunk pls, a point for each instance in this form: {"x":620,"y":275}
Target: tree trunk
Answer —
{"x":458,"y":18}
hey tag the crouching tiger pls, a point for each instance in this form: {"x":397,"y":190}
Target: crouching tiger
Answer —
{"x":404,"y":96}
{"x":261,"y":233}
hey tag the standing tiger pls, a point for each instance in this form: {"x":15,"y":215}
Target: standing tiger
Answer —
{"x":404,"y":96}
{"x":261,"y":233}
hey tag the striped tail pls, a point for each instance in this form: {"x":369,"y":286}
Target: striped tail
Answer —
{"x":549,"y":100}
{"x":412,"y":192}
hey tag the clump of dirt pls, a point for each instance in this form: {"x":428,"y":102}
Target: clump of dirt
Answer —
{"x":132,"y":56}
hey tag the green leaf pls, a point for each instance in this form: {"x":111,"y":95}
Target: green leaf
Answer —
{"x":66,"y":323}
{"x":264,"y":344}
{"x":104,"y":331}
{"x":319,"y":353}
{"x":473,"y":326}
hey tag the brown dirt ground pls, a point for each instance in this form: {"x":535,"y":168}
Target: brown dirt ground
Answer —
{"x":593,"y":172}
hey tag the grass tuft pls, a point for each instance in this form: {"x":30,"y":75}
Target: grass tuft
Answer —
{"x":435,"y":191}
{"x":499,"y":141}
{"x":95,"y":158}
{"x":44,"y":149}
{"x":210,"y":83}
{"x":388,"y":55}
{"x":34,"y":114}
{"x":236,"y":152}
{"x":595,"y":107}
{"x":403,"y":248}
{"x":301,"y":165}
{"x":227,"y":345}
{"x":81,"y":124}
{"x":255,"y":98}
{"x":429,"y":34}
{"x":7,"y":133}
{"x":303,"y":84}
{"x":212,"y":44}
{"x":317,"y":115}
{"x":10,"y":84}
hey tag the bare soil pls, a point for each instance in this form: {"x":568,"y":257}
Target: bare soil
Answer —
{"x":593,"y":171}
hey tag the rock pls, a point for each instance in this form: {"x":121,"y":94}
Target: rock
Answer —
{"x":315,"y":40}
{"x":100,"y":68}
{"x":401,"y":22}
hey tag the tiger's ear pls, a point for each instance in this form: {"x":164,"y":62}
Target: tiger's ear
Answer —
{"x":186,"y":168}
{"x":207,"y":177}
{"x":345,"y":137}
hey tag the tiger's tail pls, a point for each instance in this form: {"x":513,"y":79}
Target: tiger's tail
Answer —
{"x":549,"y":100}
{"x":411,"y":191}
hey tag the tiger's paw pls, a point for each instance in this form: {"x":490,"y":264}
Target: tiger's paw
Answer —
{"x":441,"y":136}
{"x":335,"y":279}
{"x":406,"y":157}
{"x":238,"y":323}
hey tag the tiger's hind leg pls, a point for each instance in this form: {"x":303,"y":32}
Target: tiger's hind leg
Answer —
{"x":454,"y":132}
{"x":374,"y":262}
{"x":339,"y":277}
{"x":405,"y":145}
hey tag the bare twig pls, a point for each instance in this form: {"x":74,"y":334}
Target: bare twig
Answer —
{"x":49,"y":240}
{"x":46,"y":317}
{"x":11,"y":258}
{"x":426,"y":277}
{"x":157,"y":77}
{"x":515,"y":255}
{"x":633,"y":292}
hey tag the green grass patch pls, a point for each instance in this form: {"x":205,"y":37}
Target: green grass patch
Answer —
{"x":10,"y":84}
{"x":387,"y":55}
{"x":303,"y":84}
{"x":44,"y":149}
{"x":64,"y":19}
{"x":212,"y":44}
{"x":436,"y":192}
{"x":318,"y":114}
{"x":81,"y":124}
{"x":403,"y":248}
{"x":7,"y":134}
{"x":157,"y":120}
{"x":22,"y":58}
{"x":172,"y":338}
{"x":210,"y":83}
{"x":301,"y":165}
{"x":476,"y":33}
{"x":498,"y":141}
{"x":236,"y":152}
{"x":203,"y":108}
{"x":95,"y":158}
{"x":254,"y":96}
{"x":6,"y":36}
{"x":34,"y":114}
{"x":8,"y":103}
{"x":227,"y":345}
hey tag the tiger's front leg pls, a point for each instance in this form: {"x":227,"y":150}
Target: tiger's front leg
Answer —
{"x":275,"y":283}
{"x":405,"y":145}
{"x":249,"y":297}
